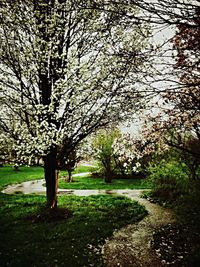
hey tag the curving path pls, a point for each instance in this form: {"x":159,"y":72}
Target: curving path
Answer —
{"x":35,"y":187}
{"x":128,"y":247}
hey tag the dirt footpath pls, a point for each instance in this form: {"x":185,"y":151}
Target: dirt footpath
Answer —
{"x":130,"y":246}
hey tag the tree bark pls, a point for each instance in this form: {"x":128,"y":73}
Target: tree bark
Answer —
{"x":51,"y":178}
{"x":70,"y":179}
{"x":108,"y":179}
{"x":108,"y":171}
{"x":108,"y":175}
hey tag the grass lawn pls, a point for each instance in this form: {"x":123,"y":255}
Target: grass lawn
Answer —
{"x":88,"y":182}
{"x":72,"y":242}
{"x":80,"y":169}
{"x":9,"y":176}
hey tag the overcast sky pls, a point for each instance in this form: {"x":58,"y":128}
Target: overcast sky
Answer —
{"x":159,"y":38}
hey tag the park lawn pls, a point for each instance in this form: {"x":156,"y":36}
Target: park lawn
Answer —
{"x":89,"y":182}
{"x":83,"y":168}
{"x":10,"y":176}
{"x":29,"y":238}
{"x":73,"y":242}
{"x":25,"y":173}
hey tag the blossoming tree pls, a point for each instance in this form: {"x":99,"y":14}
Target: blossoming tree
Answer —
{"x":181,"y":103}
{"x":67,"y":68}
{"x":132,"y":153}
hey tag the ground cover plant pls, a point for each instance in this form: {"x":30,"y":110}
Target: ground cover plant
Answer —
{"x":74,"y":241}
{"x":177,"y":245}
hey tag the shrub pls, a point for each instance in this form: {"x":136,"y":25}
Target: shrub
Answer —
{"x":169,"y":180}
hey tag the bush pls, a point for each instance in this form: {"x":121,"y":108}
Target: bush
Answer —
{"x":169,"y":180}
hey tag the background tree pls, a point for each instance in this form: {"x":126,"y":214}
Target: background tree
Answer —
{"x":180,"y":108}
{"x":134,"y":153}
{"x":67,"y":68}
{"x":127,"y":154}
{"x":175,"y":30}
{"x":5,"y":150}
{"x":68,"y":162}
{"x":186,"y":100}
{"x":191,"y":157}
{"x":168,"y":12}
{"x":104,"y":152}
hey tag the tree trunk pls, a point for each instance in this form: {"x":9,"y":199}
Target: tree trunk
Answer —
{"x":108,"y":175}
{"x":108,"y":179}
{"x":108,"y":171}
{"x":70,"y":179}
{"x":51,"y":176}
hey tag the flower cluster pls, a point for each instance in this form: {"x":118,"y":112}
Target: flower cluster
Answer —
{"x":130,"y":151}
{"x":67,"y":69}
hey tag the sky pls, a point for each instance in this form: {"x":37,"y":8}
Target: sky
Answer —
{"x":159,"y":37}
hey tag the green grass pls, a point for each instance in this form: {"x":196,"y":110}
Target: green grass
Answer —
{"x":9,"y":176}
{"x":73,"y":242}
{"x":88,"y":182}
{"x":80,"y":169}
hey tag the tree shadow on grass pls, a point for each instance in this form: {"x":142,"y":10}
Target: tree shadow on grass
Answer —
{"x":47,"y":215}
